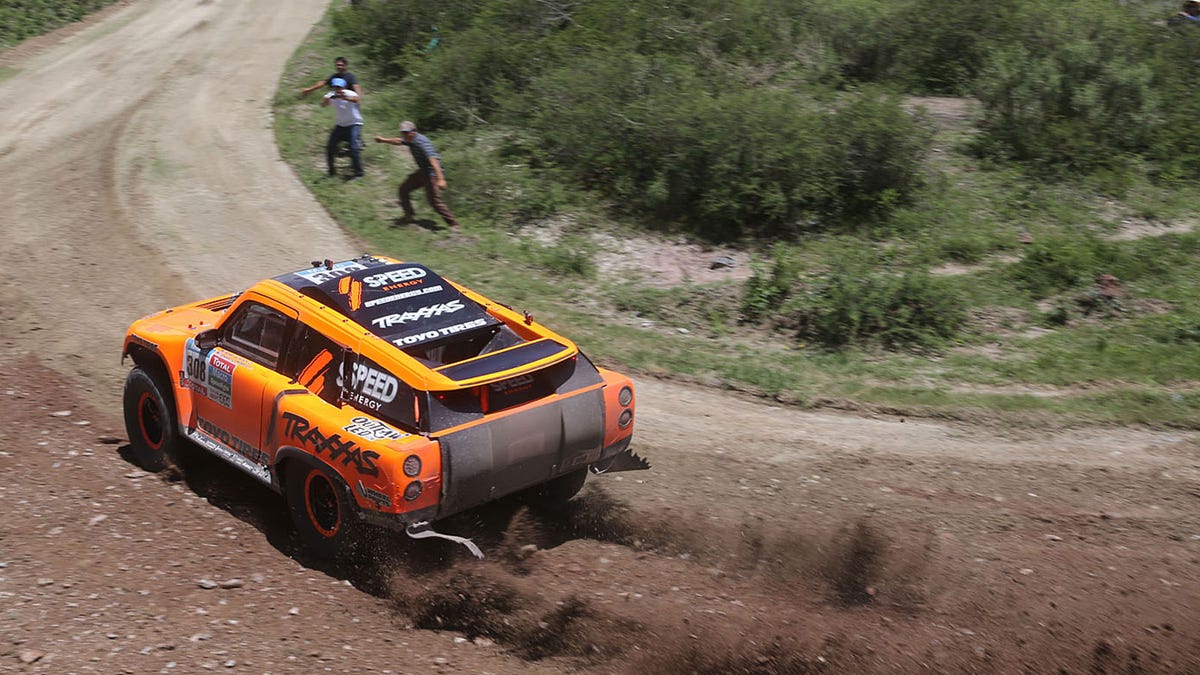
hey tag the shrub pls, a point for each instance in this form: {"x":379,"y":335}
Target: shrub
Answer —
{"x":1054,"y":264}
{"x":671,"y":131}
{"x":1175,"y":145}
{"x":759,"y":162}
{"x":856,"y":303}
{"x":927,"y":46}
{"x":1179,"y":329}
{"x":28,"y":18}
{"x":393,"y":33}
{"x":1076,"y":93}
{"x":770,"y":283}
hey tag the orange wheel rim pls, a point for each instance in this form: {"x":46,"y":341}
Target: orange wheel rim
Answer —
{"x":321,"y":503}
{"x":150,"y":421}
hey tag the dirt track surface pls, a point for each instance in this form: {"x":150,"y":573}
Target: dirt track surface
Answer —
{"x":139,"y":171}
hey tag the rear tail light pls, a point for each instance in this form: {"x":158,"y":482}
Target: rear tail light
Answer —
{"x":625,"y":397}
{"x":413,"y":490}
{"x":412,"y":466}
{"x":625,"y":418}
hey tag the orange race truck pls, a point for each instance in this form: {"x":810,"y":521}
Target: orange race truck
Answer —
{"x":374,"y":391}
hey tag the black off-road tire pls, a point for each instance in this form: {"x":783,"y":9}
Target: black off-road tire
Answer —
{"x":150,"y":421}
{"x":322,"y":508}
{"x":557,"y":491}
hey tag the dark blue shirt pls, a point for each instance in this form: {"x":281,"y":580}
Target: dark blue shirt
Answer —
{"x":348,"y":76}
{"x":422,"y":150}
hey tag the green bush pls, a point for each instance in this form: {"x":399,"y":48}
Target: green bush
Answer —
{"x":492,"y":186}
{"x":745,"y":162}
{"x":1057,"y":263}
{"x":925,"y":46}
{"x":394,"y":33}
{"x":1176,"y":145}
{"x":1179,"y":329}
{"x":857,"y":303}
{"x":770,"y":283}
{"x":1075,"y":94}
{"x":1054,"y":264}
{"x":23,"y":19}
{"x":668,"y":112}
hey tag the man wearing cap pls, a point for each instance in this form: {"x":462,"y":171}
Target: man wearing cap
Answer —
{"x":339,"y":65}
{"x":428,"y":175}
{"x":348,"y":121}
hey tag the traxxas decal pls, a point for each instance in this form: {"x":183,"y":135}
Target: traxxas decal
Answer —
{"x":422,"y":313}
{"x":301,"y":430}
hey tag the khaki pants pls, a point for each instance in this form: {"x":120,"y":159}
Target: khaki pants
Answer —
{"x":420,"y":179}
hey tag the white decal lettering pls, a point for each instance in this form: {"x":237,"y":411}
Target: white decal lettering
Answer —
{"x":409,"y":340}
{"x":394,"y":276}
{"x":402,"y":296}
{"x":423,"y":313}
{"x":371,"y":383}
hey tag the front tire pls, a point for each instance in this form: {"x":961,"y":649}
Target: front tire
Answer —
{"x":150,"y":421}
{"x":321,"y":508}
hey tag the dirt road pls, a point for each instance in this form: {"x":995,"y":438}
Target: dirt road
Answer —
{"x":139,"y":171}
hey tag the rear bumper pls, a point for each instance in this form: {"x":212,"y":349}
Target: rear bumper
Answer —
{"x":488,"y":461}
{"x":396,"y":521}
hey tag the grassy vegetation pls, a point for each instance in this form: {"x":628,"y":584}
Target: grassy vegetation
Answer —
{"x":973,"y":294}
{"x":23,"y":19}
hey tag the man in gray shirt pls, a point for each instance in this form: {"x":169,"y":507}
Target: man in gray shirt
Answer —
{"x":428,"y":175}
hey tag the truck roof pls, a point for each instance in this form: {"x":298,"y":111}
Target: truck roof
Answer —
{"x":416,"y":310}
{"x":404,"y":303}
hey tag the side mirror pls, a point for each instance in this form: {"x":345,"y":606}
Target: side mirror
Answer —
{"x":207,"y":339}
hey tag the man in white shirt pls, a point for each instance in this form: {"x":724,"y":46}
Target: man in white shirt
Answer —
{"x":348,"y":121}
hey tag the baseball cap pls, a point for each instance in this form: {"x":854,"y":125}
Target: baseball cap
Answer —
{"x":337,"y":82}
{"x":407,"y":126}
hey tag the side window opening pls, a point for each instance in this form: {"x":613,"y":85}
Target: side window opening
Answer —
{"x":371,"y":388}
{"x":312,"y":360}
{"x":257,"y":333}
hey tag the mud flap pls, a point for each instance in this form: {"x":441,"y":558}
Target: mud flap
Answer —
{"x":626,"y":460}
{"x":423,"y":530}
{"x":491,"y":460}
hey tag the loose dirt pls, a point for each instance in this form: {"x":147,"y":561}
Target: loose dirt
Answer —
{"x":140,"y":172}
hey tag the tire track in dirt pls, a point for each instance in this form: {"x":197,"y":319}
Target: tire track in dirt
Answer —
{"x":140,"y":173}
{"x":144,"y":174}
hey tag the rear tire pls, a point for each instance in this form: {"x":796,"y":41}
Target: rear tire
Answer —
{"x":150,"y":421}
{"x":321,"y":508}
{"x":557,"y":491}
